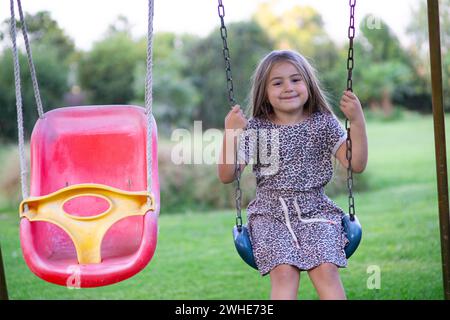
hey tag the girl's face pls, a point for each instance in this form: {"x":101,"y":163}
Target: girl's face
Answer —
{"x":286,"y":89}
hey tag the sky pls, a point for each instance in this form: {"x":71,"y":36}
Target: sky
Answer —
{"x":85,"y":21}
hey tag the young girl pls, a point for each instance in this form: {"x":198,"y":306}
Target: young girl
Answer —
{"x":293,"y":225}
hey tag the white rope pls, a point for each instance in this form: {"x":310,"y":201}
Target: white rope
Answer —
{"x":22,"y":158}
{"x":149,"y":94}
{"x":37,"y":94}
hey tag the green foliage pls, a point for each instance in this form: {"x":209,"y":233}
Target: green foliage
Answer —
{"x":52,"y":79}
{"x":383,"y":69}
{"x":419,"y":51}
{"x":52,"y":51}
{"x":43,"y":31}
{"x":446,"y":73}
{"x":189,"y":72}
{"x":248,"y":44}
{"x":174,"y":95}
{"x":381,"y":79}
{"x":379,"y":43}
{"x":418,"y":26}
{"x":107,"y":71}
{"x":301,"y":28}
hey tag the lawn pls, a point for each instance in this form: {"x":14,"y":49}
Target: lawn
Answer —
{"x":195,"y":257}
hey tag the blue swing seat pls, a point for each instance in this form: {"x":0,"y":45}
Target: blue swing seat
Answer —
{"x":243,"y":245}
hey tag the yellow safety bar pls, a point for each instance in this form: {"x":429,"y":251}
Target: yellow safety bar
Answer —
{"x":87,"y":232}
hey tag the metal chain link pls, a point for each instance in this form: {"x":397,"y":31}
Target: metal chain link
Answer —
{"x":232,"y":101}
{"x":348,"y":154}
{"x":351,"y":36}
{"x":226,"y":53}
{"x":238,"y":192}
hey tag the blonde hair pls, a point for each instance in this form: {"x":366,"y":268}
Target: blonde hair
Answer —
{"x":259,"y":102}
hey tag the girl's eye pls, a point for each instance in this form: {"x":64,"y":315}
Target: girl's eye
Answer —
{"x":276,"y":83}
{"x":296,"y":80}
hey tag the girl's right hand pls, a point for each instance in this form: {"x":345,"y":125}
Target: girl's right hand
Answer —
{"x":235,"y":119}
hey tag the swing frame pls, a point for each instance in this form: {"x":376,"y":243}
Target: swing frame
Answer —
{"x":439,"y":138}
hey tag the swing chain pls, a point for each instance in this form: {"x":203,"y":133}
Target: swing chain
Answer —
{"x":351,"y":36}
{"x":238,"y":190}
{"x":348,"y":154}
{"x":232,"y":101}
{"x":238,"y":195}
{"x":226,"y":53}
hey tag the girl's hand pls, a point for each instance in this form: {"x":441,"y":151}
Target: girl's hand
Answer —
{"x":351,"y":107}
{"x":235,"y":119}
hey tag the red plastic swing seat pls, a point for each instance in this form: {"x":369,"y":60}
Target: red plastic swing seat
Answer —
{"x":91,"y":144}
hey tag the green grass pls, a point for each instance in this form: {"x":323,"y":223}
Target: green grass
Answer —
{"x":195,"y":256}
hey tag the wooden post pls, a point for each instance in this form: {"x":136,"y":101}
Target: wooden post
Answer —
{"x":3,"y":288}
{"x":439,"y":139}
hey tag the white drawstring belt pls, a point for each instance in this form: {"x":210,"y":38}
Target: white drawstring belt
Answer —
{"x":288,"y":221}
{"x":312,"y":220}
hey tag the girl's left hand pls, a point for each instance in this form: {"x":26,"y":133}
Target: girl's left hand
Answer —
{"x":351,"y":107}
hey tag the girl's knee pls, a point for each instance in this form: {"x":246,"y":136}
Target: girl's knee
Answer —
{"x":285,"y":272}
{"x":327,"y":267}
{"x":284,"y":280}
{"x":325,"y":271}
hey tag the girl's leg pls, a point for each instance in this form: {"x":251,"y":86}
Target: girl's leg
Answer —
{"x":327,"y":282}
{"x":284,"y":280}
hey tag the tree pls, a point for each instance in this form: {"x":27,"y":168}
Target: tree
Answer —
{"x":107,"y":71}
{"x":51,"y":50}
{"x":418,"y":26}
{"x":52,"y":79}
{"x":174,"y":95}
{"x":418,"y":31}
{"x":301,"y":28}
{"x":247,"y":43}
{"x":44,"y":32}
{"x":387,"y":69}
{"x":379,"y":83}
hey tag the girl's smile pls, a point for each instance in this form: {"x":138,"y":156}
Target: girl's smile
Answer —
{"x":289,"y":98}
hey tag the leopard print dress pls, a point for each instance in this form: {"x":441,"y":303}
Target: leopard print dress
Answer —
{"x":291,"y":220}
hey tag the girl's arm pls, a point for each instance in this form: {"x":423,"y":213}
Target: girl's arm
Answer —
{"x":235,"y":122}
{"x":352,"y":109}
